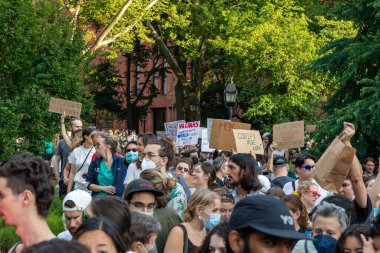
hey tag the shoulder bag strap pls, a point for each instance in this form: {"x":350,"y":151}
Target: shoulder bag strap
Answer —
{"x":85,"y":159}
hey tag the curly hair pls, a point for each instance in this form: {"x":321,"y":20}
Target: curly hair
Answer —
{"x":28,"y":172}
{"x":161,"y":183}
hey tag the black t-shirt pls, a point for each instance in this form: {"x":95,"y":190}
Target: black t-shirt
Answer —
{"x":359,"y":215}
{"x":281,"y":181}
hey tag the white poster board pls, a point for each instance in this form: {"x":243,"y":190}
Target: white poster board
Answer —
{"x":171,"y":128}
{"x":187,"y":133}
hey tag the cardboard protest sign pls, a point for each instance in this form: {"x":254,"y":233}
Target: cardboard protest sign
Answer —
{"x":205,"y":145}
{"x":171,"y":128}
{"x":311,"y":128}
{"x":60,"y":106}
{"x":289,"y":135}
{"x":222,"y":136}
{"x":160,"y":134}
{"x":187,"y":133}
{"x":248,"y":141}
{"x":209,"y":125}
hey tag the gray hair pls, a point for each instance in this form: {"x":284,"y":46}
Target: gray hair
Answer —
{"x":331,"y":210}
{"x":108,"y":140}
{"x":143,"y":227}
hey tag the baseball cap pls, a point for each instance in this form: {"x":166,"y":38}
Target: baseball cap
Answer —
{"x":280,"y":161}
{"x":265,"y":214}
{"x":80,"y":198}
{"x":141,"y":185}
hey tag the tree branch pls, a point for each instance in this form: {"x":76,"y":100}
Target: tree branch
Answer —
{"x":169,"y":57}
{"x":108,"y":29}
{"x":128,"y":28}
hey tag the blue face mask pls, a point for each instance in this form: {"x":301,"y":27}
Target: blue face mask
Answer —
{"x":213,"y":221}
{"x":131,"y":156}
{"x":324,"y":243}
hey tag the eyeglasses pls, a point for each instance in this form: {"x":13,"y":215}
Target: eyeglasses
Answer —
{"x":142,"y":206}
{"x":308,"y":167}
{"x":182,"y":168}
{"x":314,"y":193}
{"x":225,"y":197}
{"x":132,"y":149}
{"x":149,"y":156}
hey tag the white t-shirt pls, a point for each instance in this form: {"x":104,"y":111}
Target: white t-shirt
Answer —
{"x":65,"y":235}
{"x":132,"y":173}
{"x":77,"y":157}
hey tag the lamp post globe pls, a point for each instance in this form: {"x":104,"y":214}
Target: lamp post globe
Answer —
{"x":230,"y":95}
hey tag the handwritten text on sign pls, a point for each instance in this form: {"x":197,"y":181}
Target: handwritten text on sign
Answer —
{"x":222,"y":136}
{"x":187,"y":133}
{"x":289,"y":135}
{"x":60,"y":105}
{"x":248,"y":141}
{"x":171,"y":128}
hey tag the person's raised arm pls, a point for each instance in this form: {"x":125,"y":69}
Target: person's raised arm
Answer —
{"x":269,"y":166}
{"x":355,"y":173}
{"x":63,"y":130}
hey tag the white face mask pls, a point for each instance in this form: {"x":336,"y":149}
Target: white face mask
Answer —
{"x":147,"y":213}
{"x":148,"y":164}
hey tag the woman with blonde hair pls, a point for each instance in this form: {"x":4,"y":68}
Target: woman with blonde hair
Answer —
{"x":308,"y":193}
{"x":174,"y":195}
{"x":201,"y":213}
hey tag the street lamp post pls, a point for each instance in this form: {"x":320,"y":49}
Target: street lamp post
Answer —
{"x":230,"y":95}
{"x":194,"y":105}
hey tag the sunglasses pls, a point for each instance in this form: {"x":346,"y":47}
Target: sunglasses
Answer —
{"x":132,"y":149}
{"x":225,"y":197}
{"x":182,"y":168}
{"x":308,"y":167}
{"x":314,"y":193}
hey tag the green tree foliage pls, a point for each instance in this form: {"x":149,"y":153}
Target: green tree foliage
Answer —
{"x":355,"y":62}
{"x":266,"y":46}
{"x":41,"y":57}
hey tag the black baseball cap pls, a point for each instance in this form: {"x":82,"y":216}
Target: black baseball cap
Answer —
{"x":265,"y":214}
{"x":280,"y":161}
{"x":141,"y":185}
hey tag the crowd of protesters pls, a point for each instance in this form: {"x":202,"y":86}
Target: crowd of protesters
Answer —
{"x":139,"y":193}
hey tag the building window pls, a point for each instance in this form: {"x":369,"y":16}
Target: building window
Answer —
{"x":159,"y":117}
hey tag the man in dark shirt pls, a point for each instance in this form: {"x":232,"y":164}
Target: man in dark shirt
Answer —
{"x":281,"y":169}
